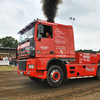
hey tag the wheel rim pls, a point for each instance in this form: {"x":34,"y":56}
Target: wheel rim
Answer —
{"x":55,"y":76}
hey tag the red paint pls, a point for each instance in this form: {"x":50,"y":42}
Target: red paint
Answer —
{"x":86,"y":58}
{"x":62,"y":42}
{"x":33,"y":71}
{"x":61,"y":45}
{"x":23,"y":52}
{"x":23,"y":55}
{"x":87,"y":71}
{"x":56,"y":77}
{"x":23,"y":45}
{"x":42,"y":63}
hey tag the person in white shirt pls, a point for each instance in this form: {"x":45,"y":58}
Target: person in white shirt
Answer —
{"x":4,"y":58}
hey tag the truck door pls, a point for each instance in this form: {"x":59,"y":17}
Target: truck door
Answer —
{"x":44,"y":41}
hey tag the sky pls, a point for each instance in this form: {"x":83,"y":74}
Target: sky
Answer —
{"x":16,"y":14}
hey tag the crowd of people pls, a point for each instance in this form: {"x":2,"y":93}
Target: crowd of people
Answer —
{"x":12,"y":60}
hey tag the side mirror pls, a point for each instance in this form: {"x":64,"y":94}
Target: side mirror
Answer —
{"x":41,"y":29}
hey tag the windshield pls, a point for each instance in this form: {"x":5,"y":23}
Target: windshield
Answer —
{"x":29,"y":34}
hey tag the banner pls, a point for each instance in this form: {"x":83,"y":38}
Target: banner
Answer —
{"x":4,"y":62}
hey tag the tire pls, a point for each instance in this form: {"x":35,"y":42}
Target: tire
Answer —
{"x":34,"y":79}
{"x":98,"y":73}
{"x":55,"y":76}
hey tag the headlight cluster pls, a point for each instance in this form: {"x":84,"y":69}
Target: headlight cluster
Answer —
{"x":30,"y":66}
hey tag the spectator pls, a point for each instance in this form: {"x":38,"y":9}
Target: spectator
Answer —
{"x":4,"y":58}
{"x":10,"y":60}
{"x":1,"y":58}
{"x":13,"y":58}
{"x":13,"y":61}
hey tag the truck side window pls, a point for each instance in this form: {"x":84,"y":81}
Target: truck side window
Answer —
{"x":48,"y":33}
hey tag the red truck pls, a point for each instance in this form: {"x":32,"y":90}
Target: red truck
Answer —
{"x":53,"y":58}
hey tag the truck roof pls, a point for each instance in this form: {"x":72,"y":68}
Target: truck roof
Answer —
{"x":30,"y":25}
{"x":27,"y":28}
{"x":51,"y":23}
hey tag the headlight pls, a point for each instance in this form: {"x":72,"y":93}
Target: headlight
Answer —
{"x":30,"y":66}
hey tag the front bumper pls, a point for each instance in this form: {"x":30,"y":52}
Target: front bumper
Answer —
{"x":37,"y":74}
{"x":23,"y":69}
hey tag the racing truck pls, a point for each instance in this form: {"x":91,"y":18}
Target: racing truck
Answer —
{"x":53,"y":58}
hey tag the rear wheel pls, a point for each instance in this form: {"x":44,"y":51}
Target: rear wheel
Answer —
{"x":55,"y":76}
{"x":98,"y":73}
{"x":35,"y":79}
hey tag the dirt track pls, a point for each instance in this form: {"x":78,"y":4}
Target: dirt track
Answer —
{"x":19,"y":87}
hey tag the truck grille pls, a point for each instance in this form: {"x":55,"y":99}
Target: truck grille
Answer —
{"x":22,"y":65}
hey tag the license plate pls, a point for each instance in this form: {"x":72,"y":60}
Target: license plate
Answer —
{"x":21,"y":73}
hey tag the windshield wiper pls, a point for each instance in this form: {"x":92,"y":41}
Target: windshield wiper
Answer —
{"x":23,"y":41}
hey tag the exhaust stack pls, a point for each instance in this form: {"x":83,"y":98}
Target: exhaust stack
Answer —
{"x":50,"y":8}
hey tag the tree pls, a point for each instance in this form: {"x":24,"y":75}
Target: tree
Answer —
{"x":8,"y":41}
{"x":85,"y":51}
{"x":0,"y":42}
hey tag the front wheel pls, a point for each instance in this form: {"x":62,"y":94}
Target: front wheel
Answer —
{"x":55,"y":76}
{"x":98,"y":73}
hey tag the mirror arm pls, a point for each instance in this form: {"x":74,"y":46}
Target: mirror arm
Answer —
{"x":39,"y":39}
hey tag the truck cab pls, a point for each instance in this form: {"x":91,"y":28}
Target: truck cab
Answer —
{"x":53,"y":57}
{"x":36,"y":53}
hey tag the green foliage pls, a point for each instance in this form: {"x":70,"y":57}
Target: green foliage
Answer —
{"x":85,"y":51}
{"x":8,"y":42}
{"x":8,"y":68}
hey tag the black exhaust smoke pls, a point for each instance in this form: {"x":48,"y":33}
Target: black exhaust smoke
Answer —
{"x":50,"y":8}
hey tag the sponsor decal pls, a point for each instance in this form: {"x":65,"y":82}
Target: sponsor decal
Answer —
{"x":61,"y":47}
{"x":90,"y":69}
{"x":81,"y":55}
{"x":24,"y":45}
{"x":60,"y":41}
{"x":59,"y":34}
{"x":86,"y":55}
{"x":93,"y":55}
{"x":44,"y":47}
{"x":80,"y":60}
{"x":61,"y":55}
{"x":61,"y":52}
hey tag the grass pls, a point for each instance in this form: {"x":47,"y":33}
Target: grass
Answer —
{"x":8,"y":68}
